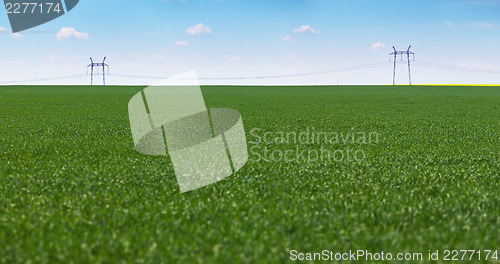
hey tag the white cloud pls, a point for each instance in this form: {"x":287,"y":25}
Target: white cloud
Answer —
{"x":181,"y":43}
{"x":305,"y":29}
{"x":17,"y":35}
{"x":67,"y":32}
{"x":377,"y":46}
{"x":483,"y":25}
{"x":54,"y":58}
{"x":288,"y":38}
{"x":198,"y":29}
{"x":6,"y":31}
{"x":158,"y":57}
{"x":235,"y":58}
{"x":448,"y":24}
{"x":290,"y":56}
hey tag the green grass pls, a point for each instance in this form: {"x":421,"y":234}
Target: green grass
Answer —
{"x":74,"y":190}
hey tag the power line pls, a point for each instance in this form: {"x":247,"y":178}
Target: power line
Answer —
{"x":343,"y":69}
{"x":43,"y":79}
{"x":417,"y":63}
{"x":447,"y":67}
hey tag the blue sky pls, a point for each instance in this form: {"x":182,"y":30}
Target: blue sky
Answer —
{"x":230,"y":38}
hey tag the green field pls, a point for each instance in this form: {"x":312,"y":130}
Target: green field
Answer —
{"x":74,"y":190}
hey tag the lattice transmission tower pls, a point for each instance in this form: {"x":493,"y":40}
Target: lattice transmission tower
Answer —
{"x":97,"y":64}
{"x":402,"y":53}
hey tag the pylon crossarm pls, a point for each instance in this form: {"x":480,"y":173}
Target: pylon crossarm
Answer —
{"x":98,"y":65}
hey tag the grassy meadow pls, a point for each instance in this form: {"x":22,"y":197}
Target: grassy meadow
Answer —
{"x":74,"y":190}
